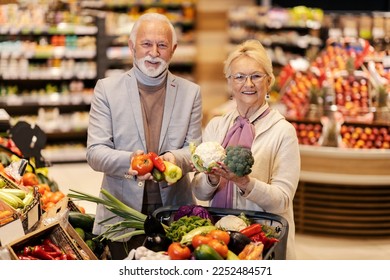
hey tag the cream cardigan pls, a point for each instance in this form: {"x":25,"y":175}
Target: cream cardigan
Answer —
{"x":275,"y":173}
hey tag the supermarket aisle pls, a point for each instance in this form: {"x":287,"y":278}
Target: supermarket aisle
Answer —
{"x":82,"y":177}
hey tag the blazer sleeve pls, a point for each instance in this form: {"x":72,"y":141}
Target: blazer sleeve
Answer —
{"x":101,"y":155}
{"x":194,"y":131}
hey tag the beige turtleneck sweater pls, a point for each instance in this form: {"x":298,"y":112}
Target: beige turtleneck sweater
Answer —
{"x":152,"y":102}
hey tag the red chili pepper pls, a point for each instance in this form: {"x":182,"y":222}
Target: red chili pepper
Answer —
{"x":71,"y":256}
{"x":25,"y":258}
{"x":251,"y":230}
{"x":51,"y":245}
{"x":158,"y":162}
{"x":27,"y":251}
{"x":40,"y":253}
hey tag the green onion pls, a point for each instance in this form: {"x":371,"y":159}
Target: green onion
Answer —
{"x":132,"y":219}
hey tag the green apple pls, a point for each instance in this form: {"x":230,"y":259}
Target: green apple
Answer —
{"x":172,"y":172}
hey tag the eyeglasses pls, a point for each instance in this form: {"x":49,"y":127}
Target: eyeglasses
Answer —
{"x":241,"y":78}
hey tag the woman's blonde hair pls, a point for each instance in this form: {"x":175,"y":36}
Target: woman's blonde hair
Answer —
{"x":255,"y":50}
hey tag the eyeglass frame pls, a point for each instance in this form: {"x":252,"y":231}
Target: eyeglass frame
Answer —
{"x":262,"y":76}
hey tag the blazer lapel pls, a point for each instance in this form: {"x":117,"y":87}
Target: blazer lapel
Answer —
{"x":135,"y":104}
{"x":170,"y":98}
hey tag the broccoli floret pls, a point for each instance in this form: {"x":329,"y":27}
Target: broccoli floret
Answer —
{"x":239,"y":160}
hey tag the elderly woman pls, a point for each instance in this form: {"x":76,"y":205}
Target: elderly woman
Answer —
{"x":273,"y":141}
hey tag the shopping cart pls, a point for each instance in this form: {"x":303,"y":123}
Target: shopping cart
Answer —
{"x":276,"y":252}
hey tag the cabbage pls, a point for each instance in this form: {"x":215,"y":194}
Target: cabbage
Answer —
{"x":192,"y":210}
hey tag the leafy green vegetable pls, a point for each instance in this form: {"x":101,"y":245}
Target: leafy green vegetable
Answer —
{"x":185,"y":224}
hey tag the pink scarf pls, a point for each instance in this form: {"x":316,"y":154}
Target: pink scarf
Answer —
{"x":241,"y":133}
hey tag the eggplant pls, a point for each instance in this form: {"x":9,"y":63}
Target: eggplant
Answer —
{"x":237,"y":241}
{"x":157,"y":242}
{"x":153,"y":226}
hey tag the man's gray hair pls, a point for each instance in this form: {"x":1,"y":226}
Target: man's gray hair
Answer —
{"x":152,"y":17}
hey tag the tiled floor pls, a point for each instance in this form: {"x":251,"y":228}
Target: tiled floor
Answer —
{"x":82,"y":177}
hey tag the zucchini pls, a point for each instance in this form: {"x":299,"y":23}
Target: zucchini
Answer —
{"x":80,"y":220}
{"x":232,"y":256}
{"x":205,"y":252}
{"x":187,"y":238}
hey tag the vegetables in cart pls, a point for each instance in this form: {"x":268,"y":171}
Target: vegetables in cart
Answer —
{"x":192,"y":210}
{"x":238,"y":241}
{"x":206,"y":252}
{"x":143,"y":253}
{"x":256,"y":233}
{"x":178,"y":229}
{"x":252,"y":251}
{"x":231,"y":222}
{"x":178,"y":251}
{"x":187,"y":233}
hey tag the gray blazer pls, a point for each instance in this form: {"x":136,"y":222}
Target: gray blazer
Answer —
{"x":116,"y":130}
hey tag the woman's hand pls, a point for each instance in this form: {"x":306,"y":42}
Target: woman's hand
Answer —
{"x":223,"y":171}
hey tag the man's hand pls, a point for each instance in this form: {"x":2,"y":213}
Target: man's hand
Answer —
{"x":134,"y":173}
{"x":169,"y":157}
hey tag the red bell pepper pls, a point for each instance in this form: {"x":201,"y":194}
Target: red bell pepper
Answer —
{"x":251,"y":230}
{"x":267,"y":241}
{"x":158,"y":162}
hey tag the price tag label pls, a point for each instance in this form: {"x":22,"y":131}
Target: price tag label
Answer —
{"x":386,"y":61}
{"x":11,"y":232}
{"x":33,"y":216}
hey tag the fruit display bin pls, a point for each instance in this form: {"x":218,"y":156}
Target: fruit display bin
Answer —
{"x":31,"y":214}
{"x":276,"y":252}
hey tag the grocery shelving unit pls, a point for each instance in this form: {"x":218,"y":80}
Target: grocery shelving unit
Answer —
{"x":48,"y":70}
{"x":284,"y":37}
{"x":119,"y":18}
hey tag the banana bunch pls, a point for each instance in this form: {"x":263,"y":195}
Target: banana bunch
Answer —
{"x":17,"y":198}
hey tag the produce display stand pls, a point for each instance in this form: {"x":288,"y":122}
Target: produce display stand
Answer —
{"x":276,"y":252}
{"x":63,"y":235}
{"x":31,"y":214}
{"x":343,"y":192}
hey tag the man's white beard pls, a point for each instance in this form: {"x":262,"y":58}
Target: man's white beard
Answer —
{"x":151,"y":71}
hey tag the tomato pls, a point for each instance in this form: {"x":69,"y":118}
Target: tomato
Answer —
{"x":200,"y":239}
{"x":81,"y":209}
{"x":219,"y":246}
{"x":142,"y":164}
{"x":42,"y":188}
{"x":220,"y":235}
{"x":177,"y":251}
{"x":30,"y":179}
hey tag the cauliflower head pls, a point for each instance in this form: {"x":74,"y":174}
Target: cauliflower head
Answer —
{"x":231,"y":222}
{"x":206,"y":155}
